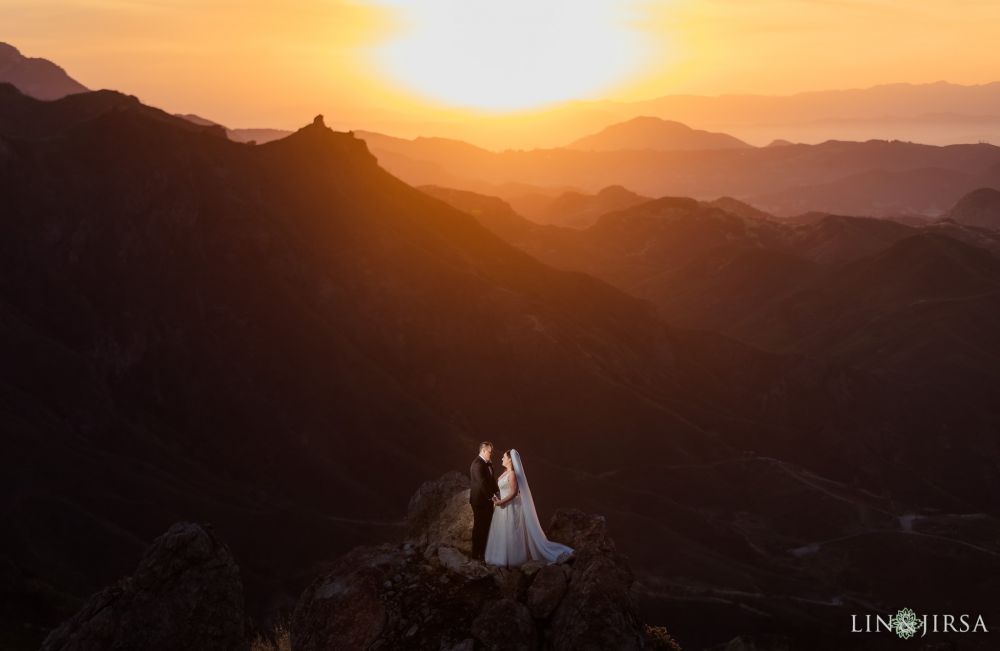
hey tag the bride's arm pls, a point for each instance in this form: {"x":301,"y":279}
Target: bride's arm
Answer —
{"x":513,"y":490}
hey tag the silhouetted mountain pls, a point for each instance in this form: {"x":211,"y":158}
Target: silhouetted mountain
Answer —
{"x":880,"y":192}
{"x":739,"y":208}
{"x":283,"y":339}
{"x":935,"y":113}
{"x":197,"y":119}
{"x":579,"y":210}
{"x":978,"y":208}
{"x":780,"y":285}
{"x":835,"y":239}
{"x":24,"y":117}
{"x":39,"y":78}
{"x":654,"y":133}
{"x":984,"y":238}
{"x":940,"y":113}
{"x":257,"y":136}
{"x":870,"y":178}
{"x":925,"y":309}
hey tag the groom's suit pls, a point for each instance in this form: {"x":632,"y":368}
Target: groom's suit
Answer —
{"x":482,"y":488}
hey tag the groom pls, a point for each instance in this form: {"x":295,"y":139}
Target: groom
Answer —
{"x":482,"y":488}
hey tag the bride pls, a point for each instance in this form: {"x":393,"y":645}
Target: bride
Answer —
{"x":516,"y":536}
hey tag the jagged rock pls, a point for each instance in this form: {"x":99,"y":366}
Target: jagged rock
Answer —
{"x":439,"y":513}
{"x":505,"y":625}
{"x":547,"y":590}
{"x":531,"y":567}
{"x":581,"y":531}
{"x":597,"y":611}
{"x":185,"y":594}
{"x":511,"y":581}
{"x":425,"y":593}
{"x":459,"y":563}
{"x":755,"y":643}
{"x":344,"y":609}
{"x":465,"y":645}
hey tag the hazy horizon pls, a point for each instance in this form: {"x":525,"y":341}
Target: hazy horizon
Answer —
{"x":404,"y":69}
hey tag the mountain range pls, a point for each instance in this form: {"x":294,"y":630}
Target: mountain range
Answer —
{"x":783,"y":422}
{"x":786,"y":286}
{"x":34,"y":76}
{"x":655,"y":133}
{"x":876,"y":178}
{"x":652,"y":156}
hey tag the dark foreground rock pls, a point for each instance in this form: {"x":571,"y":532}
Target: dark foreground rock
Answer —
{"x":424,"y":592}
{"x":185,"y":594}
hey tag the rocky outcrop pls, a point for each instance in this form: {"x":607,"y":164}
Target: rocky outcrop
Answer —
{"x":425,"y":593}
{"x":185,"y":594}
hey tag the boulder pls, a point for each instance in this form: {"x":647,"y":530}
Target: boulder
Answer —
{"x":505,"y":625}
{"x":547,"y":590}
{"x":439,"y":513}
{"x":583,"y":532}
{"x":758,"y":643}
{"x":344,"y":609}
{"x":425,"y":593}
{"x":185,"y":594}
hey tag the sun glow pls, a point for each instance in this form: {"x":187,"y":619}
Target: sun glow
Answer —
{"x":505,"y":55}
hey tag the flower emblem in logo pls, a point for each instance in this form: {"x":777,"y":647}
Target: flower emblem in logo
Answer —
{"x":905,"y":623}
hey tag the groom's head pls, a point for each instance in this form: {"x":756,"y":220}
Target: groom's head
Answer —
{"x":486,"y":450}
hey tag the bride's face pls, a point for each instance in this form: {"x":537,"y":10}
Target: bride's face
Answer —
{"x":507,"y":463}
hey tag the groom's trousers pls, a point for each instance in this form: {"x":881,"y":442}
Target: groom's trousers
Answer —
{"x":482,"y":516}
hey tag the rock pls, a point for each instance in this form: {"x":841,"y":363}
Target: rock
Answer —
{"x":467,"y":644}
{"x":505,"y":625}
{"x":459,"y":563}
{"x":186,"y":593}
{"x":439,"y":513}
{"x":546,"y":591}
{"x":511,"y":581}
{"x":597,"y":611}
{"x":755,"y":643}
{"x":424,"y":592}
{"x":581,"y":531}
{"x":531,"y":567}
{"x":344,"y":608}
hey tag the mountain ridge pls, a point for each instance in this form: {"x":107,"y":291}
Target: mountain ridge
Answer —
{"x":199,"y":329}
{"x":37,"y":77}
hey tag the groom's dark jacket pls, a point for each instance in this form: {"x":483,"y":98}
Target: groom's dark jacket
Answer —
{"x":482,"y":484}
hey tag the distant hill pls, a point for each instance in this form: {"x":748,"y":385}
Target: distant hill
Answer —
{"x":655,"y":133}
{"x":978,"y":208}
{"x":876,"y":178}
{"x":579,"y":209}
{"x":824,"y":285}
{"x":258,"y":136}
{"x":740,"y":208}
{"x":39,"y":78}
{"x":880,"y":192}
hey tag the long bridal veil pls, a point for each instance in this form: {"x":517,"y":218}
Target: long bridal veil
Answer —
{"x":539,"y":547}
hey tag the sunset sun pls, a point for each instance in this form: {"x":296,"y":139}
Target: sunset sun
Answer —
{"x":503,"y":56}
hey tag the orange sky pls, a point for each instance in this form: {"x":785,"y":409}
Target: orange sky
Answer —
{"x":268,"y":63}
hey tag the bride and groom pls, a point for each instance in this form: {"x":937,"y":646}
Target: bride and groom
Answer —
{"x":505,"y":527}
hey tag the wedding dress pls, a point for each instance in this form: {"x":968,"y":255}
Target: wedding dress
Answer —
{"x":516,"y":535}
